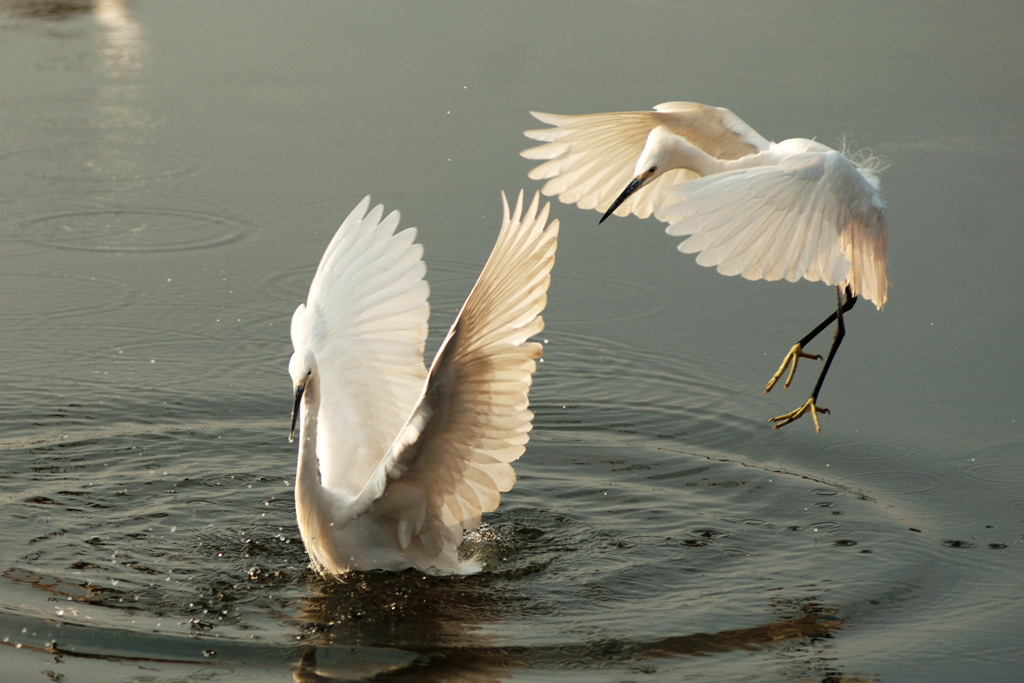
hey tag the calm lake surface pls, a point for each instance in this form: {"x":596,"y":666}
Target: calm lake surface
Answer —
{"x":170,"y":173}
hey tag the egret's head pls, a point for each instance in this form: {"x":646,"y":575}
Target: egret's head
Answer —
{"x":651,"y":164}
{"x":301,"y":367}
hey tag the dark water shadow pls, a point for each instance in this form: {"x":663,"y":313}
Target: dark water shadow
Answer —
{"x":799,"y":622}
{"x":800,"y":627}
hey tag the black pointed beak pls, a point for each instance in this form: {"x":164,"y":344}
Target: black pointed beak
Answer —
{"x":295,"y":411}
{"x":634,"y":185}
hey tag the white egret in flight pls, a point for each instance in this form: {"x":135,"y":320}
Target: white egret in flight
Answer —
{"x":766,"y":211}
{"x":396,"y":462}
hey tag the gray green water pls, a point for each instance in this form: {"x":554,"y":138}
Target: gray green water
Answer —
{"x":170,"y":172}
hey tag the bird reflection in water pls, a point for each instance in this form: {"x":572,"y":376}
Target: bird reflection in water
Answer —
{"x":428,"y":630}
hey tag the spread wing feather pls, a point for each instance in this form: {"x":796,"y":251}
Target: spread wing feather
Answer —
{"x":452,"y":459}
{"x":589,"y":159}
{"x":365,"y":320}
{"x":811,"y":216}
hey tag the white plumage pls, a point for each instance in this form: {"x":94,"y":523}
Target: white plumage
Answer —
{"x":791,"y":210}
{"x":396,"y":462}
{"x":794,"y":209}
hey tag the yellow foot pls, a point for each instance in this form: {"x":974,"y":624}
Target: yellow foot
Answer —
{"x":794,"y":356}
{"x":807,"y":407}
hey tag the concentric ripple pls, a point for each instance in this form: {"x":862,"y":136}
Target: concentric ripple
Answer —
{"x":132,"y":230}
{"x":91,"y":162}
{"x":59,"y":295}
{"x":1002,"y":466}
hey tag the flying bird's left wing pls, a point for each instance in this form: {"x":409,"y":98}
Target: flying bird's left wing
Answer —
{"x":716,"y":130}
{"x":589,"y":159}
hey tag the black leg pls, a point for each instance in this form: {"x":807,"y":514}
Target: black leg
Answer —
{"x":842,"y":307}
{"x":797,"y":352}
{"x":837,"y":338}
{"x":810,"y":406}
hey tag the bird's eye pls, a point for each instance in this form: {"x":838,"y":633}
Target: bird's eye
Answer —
{"x":652,"y":169}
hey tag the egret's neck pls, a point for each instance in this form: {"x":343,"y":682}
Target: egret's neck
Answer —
{"x":308,"y":491}
{"x":667,"y":151}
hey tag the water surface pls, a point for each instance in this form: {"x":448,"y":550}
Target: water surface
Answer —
{"x":171,"y":172}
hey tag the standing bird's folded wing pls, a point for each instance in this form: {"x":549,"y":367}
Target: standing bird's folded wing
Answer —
{"x":588,"y":159}
{"x":452,"y":460}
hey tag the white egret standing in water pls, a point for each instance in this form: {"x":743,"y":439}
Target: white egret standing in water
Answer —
{"x":766,"y":211}
{"x":396,"y":462}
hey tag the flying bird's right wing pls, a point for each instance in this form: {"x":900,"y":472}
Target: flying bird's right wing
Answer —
{"x":813,"y":216}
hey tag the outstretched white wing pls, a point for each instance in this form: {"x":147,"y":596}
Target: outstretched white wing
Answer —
{"x":812,"y":216}
{"x":365,"y":321}
{"x":451,"y":461}
{"x":589,"y":159}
